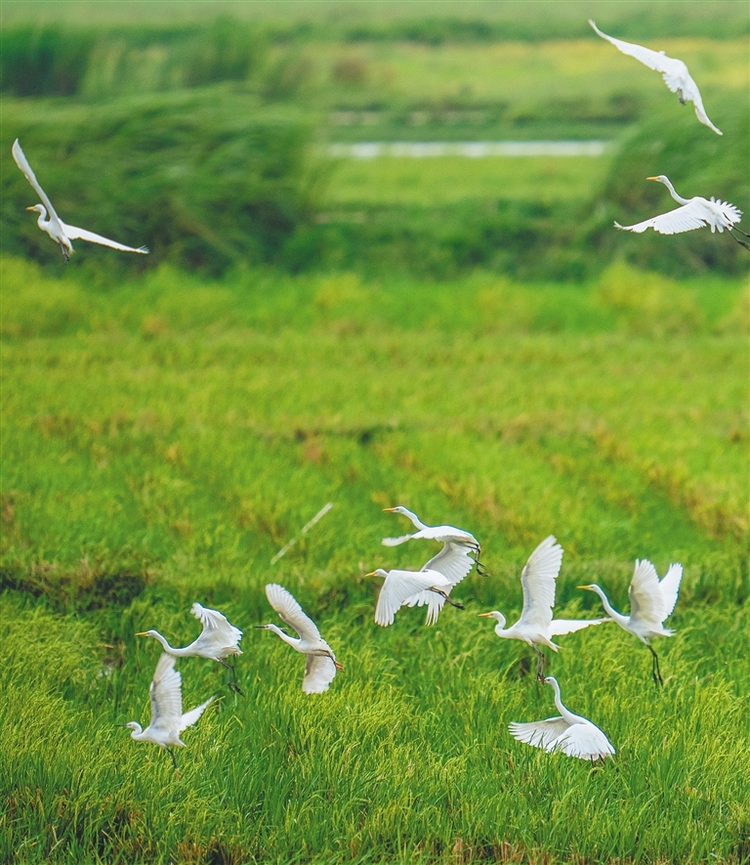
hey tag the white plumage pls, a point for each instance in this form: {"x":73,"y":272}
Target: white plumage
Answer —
{"x":569,"y":733}
{"x":651,"y":602}
{"x":674,"y":72}
{"x":321,"y":665}
{"x":536,"y":625}
{"x":58,"y":230}
{"x":444,"y":534}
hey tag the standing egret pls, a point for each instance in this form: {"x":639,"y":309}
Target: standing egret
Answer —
{"x":674,"y":72}
{"x":54,"y":226}
{"x":430,"y":585}
{"x":569,"y":733}
{"x":217,"y":641}
{"x":167,"y":720}
{"x":536,"y":625}
{"x":321,"y":665}
{"x":651,"y":601}
{"x":444,"y":534}
{"x":694,"y":213}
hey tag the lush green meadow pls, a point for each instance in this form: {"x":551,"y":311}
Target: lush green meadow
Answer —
{"x":164,"y":437}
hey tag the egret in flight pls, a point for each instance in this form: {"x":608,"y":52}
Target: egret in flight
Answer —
{"x":695,"y":213}
{"x":536,"y":625}
{"x":674,"y":72}
{"x":217,"y":641}
{"x":572,"y":734}
{"x":651,"y":602}
{"x":431,"y":585}
{"x":444,"y":534}
{"x":51,"y":223}
{"x":167,"y":720}
{"x":321,"y":665}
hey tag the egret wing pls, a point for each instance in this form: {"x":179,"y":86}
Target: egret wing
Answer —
{"x":216,"y":626}
{"x":585,"y":741}
{"x":74,"y":233}
{"x":191,"y":717}
{"x":560,"y":627}
{"x":670,"y":587}
{"x":646,"y":602}
{"x":693,"y":95}
{"x":686,"y":218}
{"x":657,"y":60}
{"x":166,"y":694}
{"x":394,"y":542}
{"x":399,"y":588}
{"x":540,"y":734}
{"x":291,"y":613}
{"x":538,"y":582}
{"x":319,"y":673}
{"x":23,"y":163}
{"x":453,"y":562}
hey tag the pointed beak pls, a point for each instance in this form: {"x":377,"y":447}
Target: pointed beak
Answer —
{"x":259,"y":626}
{"x":373,"y":574}
{"x":385,"y":510}
{"x":653,"y":178}
{"x":338,"y":666}
{"x":484,"y":615}
{"x":142,"y":634}
{"x":583,"y":587}
{"x":30,"y":208}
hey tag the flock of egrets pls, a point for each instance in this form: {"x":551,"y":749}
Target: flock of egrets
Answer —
{"x":651,"y":599}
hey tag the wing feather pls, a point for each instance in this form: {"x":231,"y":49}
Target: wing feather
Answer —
{"x":646,"y":602}
{"x":686,"y":218}
{"x":166,"y":694}
{"x":319,"y":673}
{"x":559,"y":627}
{"x":538,"y":582}
{"x":191,"y":717}
{"x":394,"y":542}
{"x":670,"y":588}
{"x":23,"y":163}
{"x":75,"y":233}
{"x":291,"y":612}
{"x":453,"y":562}
{"x":540,"y":734}
{"x":216,"y":626}
{"x":585,"y":741}
{"x":657,"y":60}
{"x":399,"y":588}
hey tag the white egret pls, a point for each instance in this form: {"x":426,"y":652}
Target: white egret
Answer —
{"x":651,"y":602}
{"x":695,"y":213}
{"x":444,"y":534}
{"x":430,"y":585}
{"x":167,"y":720}
{"x":321,"y":665}
{"x":217,"y":641}
{"x":569,"y":733}
{"x":674,"y":72}
{"x":59,"y":231}
{"x":536,"y":625}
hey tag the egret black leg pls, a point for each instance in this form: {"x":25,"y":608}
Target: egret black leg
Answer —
{"x":449,"y":599}
{"x":174,"y":761}
{"x":232,"y":678}
{"x":655,"y":671}
{"x":741,"y":242}
{"x":539,"y":665}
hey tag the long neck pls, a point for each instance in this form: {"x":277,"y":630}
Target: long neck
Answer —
{"x":569,"y":716}
{"x":137,"y":732}
{"x":672,"y":192}
{"x":285,"y":637}
{"x":42,"y":220}
{"x":171,"y":649}
{"x":415,"y":519}
{"x":618,"y":617}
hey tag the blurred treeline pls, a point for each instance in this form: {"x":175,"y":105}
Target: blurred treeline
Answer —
{"x":206,"y":144}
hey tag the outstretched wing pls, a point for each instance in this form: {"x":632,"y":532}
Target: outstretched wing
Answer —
{"x":540,"y":734}
{"x":453,"y":562}
{"x":559,"y":627}
{"x":646,"y":602}
{"x":216,"y":627}
{"x":23,"y":163}
{"x":319,"y":673}
{"x":74,"y":233}
{"x":686,"y":218}
{"x":399,"y":588}
{"x":291,"y":613}
{"x":657,"y":60}
{"x":670,"y":587}
{"x":693,"y":95}
{"x":191,"y":717}
{"x":585,"y":741}
{"x":394,"y":542}
{"x":166,"y":694}
{"x":538,"y":582}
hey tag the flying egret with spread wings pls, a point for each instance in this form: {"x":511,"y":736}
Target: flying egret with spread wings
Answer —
{"x":321,"y":665}
{"x":51,"y":223}
{"x":217,"y":641}
{"x":444,"y":534}
{"x":695,"y":212}
{"x":536,"y":625}
{"x":167,"y":720}
{"x":430,"y":586}
{"x":569,"y":733}
{"x":674,"y":72}
{"x":651,"y":602}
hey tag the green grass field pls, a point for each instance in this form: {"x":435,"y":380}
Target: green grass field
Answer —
{"x":164,"y":437}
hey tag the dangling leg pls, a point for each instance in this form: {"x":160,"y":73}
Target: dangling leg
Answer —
{"x":174,"y":761}
{"x":741,"y":242}
{"x":539,"y":664}
{"x":232,"y":678}
{"x":447,"y":598}
{"x":655,"y":672}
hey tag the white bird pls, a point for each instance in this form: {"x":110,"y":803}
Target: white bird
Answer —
{"x":431,"y":585}
{"x":321,"y":665}
{"x":444,"y":534}
{"x":695,"y":213}
{"x":569,"y":733}
{"x":651,"y":602}
{"x":674,"y":72}
{"x":167,"y":720}
{"x":536,"y":625}
{"x":217,"y":641}
{"x":54,"y":226}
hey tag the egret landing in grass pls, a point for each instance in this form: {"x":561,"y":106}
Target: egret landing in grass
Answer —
{"x":51,"y":223}
{"x":444,"y":534}
{"x":651,"y":602}
{"x":536,"y":625}
{"x":572,"y":734}
{"x":217,"y":641}
{"x":167,"y":720}
{"x":674,"y":72}
{"x":321,"y":665}
{"x":695,"y":212}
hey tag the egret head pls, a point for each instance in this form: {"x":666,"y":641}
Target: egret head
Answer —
{"x":148,"y":634}
{"x":550,"y":680}
{"x":499,"y":617}
{"x":39,"y":208}
{"x":399,"y":509}
{"x":660,"y":179}
{"x":132,"y":725}
{"x":590,"y":588}
{"x":379,"y":572}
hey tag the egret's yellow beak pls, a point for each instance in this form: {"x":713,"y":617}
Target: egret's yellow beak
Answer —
{"x":373,"y":574}
{"x":388,"y":510}
{"x":31,"y":208}
{"x":584,"y":587}
{"x":653,"y":178}
{"x":484,"y":615}
{"x":143,"y":634}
